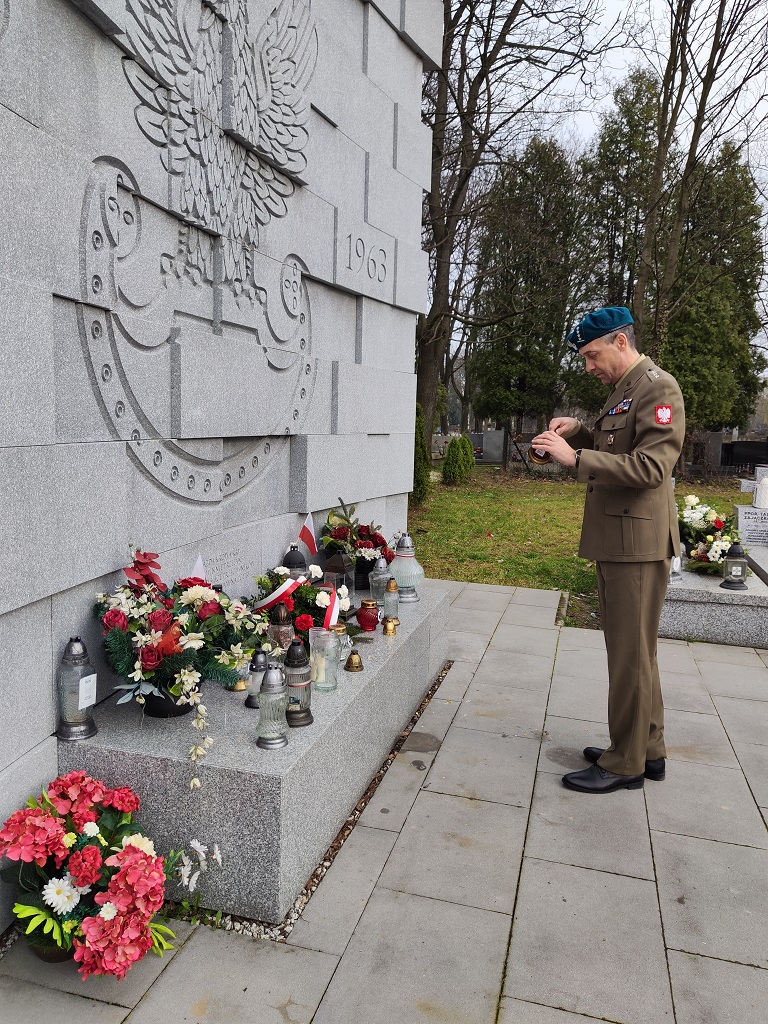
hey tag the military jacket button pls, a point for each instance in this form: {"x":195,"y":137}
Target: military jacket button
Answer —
{"x":626,"y":511}
{"x":590,"y":477}
{"x":590,"y":488}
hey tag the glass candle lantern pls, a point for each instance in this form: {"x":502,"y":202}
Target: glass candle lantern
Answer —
{"x":735,"y":568}
{"x":256,"y":670}
{"x":298,"y":679}
{"x":405,"y":570}
{"x":76,"y":687}
{"x":344,"y":568}
{"x":324,"y":655}
{"x":392,"y":601}
{"x":377,"y":580}
{"x":272,"y":732}
{"x":295,"y":562}
{"x":280,"y":630}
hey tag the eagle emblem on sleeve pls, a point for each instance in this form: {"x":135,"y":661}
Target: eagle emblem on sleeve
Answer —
{"x":664,"y":414}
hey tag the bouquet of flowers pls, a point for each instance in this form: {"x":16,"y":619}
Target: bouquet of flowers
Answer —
{"x":88,"y":880}
{"x":343,"y":532}
{"x":307,"y":603}
{"x":706,"y":535}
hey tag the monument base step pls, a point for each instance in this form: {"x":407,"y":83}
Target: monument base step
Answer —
{"x":697,"y":608}
{"x":757,"y":557}
{"x":273,"y":814}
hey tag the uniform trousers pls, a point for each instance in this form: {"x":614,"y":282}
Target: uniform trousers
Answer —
{"x":631,"y":598}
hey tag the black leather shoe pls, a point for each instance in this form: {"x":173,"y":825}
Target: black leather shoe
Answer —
{"x":655,"y":770}
{"x":598,"y":780}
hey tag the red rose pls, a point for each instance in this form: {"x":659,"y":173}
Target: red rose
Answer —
{"x":115,"y":619}
{"x":150,"y":658}
{"x":378,"y":540}
{"x":719,"y":524}
{"x":289,"y":603}
{"x":364,"y":544}
{"x":389,"y":554}
{"x":160,"y":620}
{"x":208,"y":609}
{"x":363,"y":531}
{"x":304,"y":622}
{"x":166,"y":602}
{"x":85,"y":865}
{"x":192,"y":581}
{"x":340,"y":533}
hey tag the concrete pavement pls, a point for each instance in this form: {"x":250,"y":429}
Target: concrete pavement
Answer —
{"x":476,"y":888}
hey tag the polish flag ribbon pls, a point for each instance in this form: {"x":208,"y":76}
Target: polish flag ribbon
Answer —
{"x":332,"y":611}
{"x":307,"y":534}
{"x":283,"y":591}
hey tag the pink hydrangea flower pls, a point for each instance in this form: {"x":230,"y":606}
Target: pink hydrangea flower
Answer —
{"x":33,"y":835}
{"x":85,"y":865}
{"x":123,"y":799}
{"x":75,"y":791}
{"x":112,"y":946}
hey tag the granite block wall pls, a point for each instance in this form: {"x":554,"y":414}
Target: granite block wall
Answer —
{"x":210,"y":274}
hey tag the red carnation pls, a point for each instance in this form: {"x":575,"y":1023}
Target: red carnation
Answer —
{"x":289,"y":603}
{"x":340,"y":533}
{"x":123,"y":799}
{"x":304,"y":622}
{"x":160,"y":620}
{"x":192,"y":581}
{"x":150,"y":658}
{"x":719,"y":524}
{"x":207,"y":609}
{"x":363,"y":531}
{"x":389,"y":554}
{"x":85,"y":865}
{"x":115,"y":619}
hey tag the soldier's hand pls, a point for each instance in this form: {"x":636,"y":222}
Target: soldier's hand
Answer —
{"x":564,"y":425}
{"x":557,"y":447}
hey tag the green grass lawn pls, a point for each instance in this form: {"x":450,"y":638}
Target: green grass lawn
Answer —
{"x":522,"y":532}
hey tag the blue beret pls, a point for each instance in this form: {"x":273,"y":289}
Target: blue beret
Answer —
{"x":597,"y":324}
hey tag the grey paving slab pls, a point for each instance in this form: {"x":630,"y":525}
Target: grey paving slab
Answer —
{"x":745,"y":721}
{"x":490,"y":588}
{"x":684,"y":692}
{"x":409,"y":960}
{"x":455,"y":684}
{"x":391,"y":803}
{"x":509,"y":710}
{"x":753,"y":758}
{"x":224,"y":978}
{"x":715,"y":992}
{"x":675,"y":658}
{"x":588,"y":662}
{"x":528,"y":671}
{"x":536,"y":598}
{"x":570,"y":828}
{"x":589,"y":942}
{"x":471,"y":620}
{"x":332,"y":914}
{"x":454,"y":587}
{"x":724,"y":653}
{"x":485,"y":766}
{"x":693,"y":737}
{"x":461,"y":646}
{"x":21,"y":964}
{"x":573,"y":638}
{"x":746,"y":681}
{"x":521,"y":640}
{"x":535,"y":616}
{"x":713,"y":897}
{"x":763,"y":657}
{"x":582,"y":697}
{"x":442,"y":835}
{"x":21,"y":1001}
{"x":563,"y":741}
{"x":706,"y":801}
{"x":517,"y":1011}
{"x":490,"y":601}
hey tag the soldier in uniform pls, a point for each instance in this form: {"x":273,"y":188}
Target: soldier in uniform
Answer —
{"x":630,"y":530}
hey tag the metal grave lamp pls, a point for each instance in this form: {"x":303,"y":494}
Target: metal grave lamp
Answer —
{"x":377,"y":580}
{"x":342,"y":566}
{"x":76,"y":686}
{"x":272,"y":732}
{"x":295,"y":562}
{"x":735,"y":568}
{"x":391,"y":601}
{"x":256,"y":670}
{"x":280,"y":629}
{"x":405,"y":570}
{"x":298,"y":679}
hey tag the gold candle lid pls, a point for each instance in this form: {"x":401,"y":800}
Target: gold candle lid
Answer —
{"x":539,"y":456}
{"x":392,"y":586}
{"x":369,"y":603}
{"x":390,"y":628}
{"x":340,"y":628}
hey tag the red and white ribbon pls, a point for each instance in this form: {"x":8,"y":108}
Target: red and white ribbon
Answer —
{"x":332,"y":611}
{"x":283,"y":591}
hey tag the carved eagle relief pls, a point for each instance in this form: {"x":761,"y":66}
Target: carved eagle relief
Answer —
{"x":227,"y":111}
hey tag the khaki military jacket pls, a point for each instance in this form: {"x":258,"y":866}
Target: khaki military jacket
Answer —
{"x":627,"y":463}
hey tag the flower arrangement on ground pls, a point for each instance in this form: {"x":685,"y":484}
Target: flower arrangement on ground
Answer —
{"x":166,"y":640}
{"x":307,"y":602}
{"x":706,"y":535}
{"x":88,"y":880}
{"x":343,"y":532}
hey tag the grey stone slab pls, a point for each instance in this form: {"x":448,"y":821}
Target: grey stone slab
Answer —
{"x":563,"y":741}
{"x":713,"y":897}
{"x":524,"y":640}
{"x":412,"y":276}
{"x":43,"y":554}
{"x":265,"y":499}
{"x":393,"y":67}
{"x":589,"y":942}
{"x":335,"y":166}
{"x":686,"y":693}
{"x":393,"y":204}
{"x":567,"y":828}
{"x":573,"y":639}
{"x":675,"y":658}
{"x":747,"y":681}
{"x":706,"y":802}
{"x":429,"y":977}
{"x":536,"y":598}
{"x":334,"y":321}
{"x":724,"y":653}
{"x":383,"y":411}
{"x":517,"y":1011}
{"x":421,"y":24}
{"x":468,"y":620}
{"x":513,"y":668}
{"x":308,"y":231}
{"x":391,"y":804}
{"x":330,"y":917}
{"x":493,"y":602}
{"x":432,"y":726}
{"x":23,"y":778}
{"x":754,"y":763}
{"x":490,"y":588}
{"x":693,"y":737}
{"x":581,"y":697}
{"x":745,"y":721}
{"x":29,"y":691}
{"x":587,"y":662}
{"x":509,"y":710}
{"x":484,"y":766}
{"x":535,"y":616}
{"x":366,"y":257}
{"x":455,"y":684}
{"x":385,"y":335}
{"x":26,"y":365}
{"x":413,"y":147}
{"x":465,"y":646}
{"x":21,"y":1001}
{"x":431,"y":854}
{"x":223,"y":976}
{"x":705,"y":989}
{"x":23,"y":965}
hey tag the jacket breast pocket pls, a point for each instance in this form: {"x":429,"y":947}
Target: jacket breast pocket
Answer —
{"x":630,"y":528}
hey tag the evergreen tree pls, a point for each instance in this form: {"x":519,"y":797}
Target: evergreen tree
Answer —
{"x":454,"y":468}
{"x":421,"y":462}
